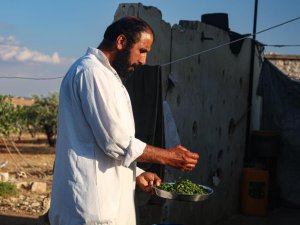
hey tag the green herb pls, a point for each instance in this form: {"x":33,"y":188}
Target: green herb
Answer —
{"x":186,"y":187}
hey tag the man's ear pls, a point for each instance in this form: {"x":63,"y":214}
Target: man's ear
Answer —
{"x":121,"y":42}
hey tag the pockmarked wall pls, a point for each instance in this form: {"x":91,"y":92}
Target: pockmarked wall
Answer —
{"x":288,"y":64}
{"x":209,"y":102}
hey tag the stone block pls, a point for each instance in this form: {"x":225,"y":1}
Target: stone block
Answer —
{"x":39,"y":187}
{"x":4,"y":176}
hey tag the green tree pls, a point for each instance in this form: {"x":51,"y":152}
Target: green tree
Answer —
{"x":31,"y":119}
{"x":8,"y":116}
{"x":44,"y":115}
{"x":20,"y":116}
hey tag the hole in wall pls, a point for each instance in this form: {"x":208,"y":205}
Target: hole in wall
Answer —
{"x":178,"y":100}
{"x":211,"y":107}
{"x":219,"y":172}
{"x":231,"y":127}
{"x":241,"y":82}
{"x":231,"y":168}
{"x":195,"y":128}
{"x":220,"y":155}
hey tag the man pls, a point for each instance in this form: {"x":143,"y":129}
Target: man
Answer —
{"x":95,"y":168}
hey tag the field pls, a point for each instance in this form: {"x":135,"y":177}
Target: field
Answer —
{"x":30,"y":160}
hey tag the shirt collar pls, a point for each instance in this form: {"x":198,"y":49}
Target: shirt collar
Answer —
{"x":102,"y":58}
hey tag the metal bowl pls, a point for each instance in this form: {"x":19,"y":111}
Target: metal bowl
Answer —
{"x":183,"y":197}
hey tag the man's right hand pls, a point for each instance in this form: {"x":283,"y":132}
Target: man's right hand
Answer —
{"x":182,"y":159}
{"x":177,"y":157}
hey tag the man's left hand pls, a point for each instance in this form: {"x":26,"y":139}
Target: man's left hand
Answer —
{"x":146,"y":181}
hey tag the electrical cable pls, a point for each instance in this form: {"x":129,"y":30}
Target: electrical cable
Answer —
{"x":31,"y":78}
{"x":228,"y":43}
{"x":177,"y":60}
{"x":280,"y":46}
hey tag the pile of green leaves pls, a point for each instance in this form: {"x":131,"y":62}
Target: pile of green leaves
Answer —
{"x":8,"y":189}
{"x":186,"y":187}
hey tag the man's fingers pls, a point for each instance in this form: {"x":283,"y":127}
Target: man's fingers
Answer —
{"x":157,"y":179}
{"x":151,"y":183}
{"x":143,"y":181}
{"x":182,"y":148}
{"x":150,"y":179}
{"x":192,"y":155}
{"x":190,"y":166}
{"x":188,"y":153}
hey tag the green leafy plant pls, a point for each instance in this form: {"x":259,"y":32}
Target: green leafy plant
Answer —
{"x":42,"y":115}
{"x":8,"y":189}
{"x":7,"y":116}
{"x":186,"y":187}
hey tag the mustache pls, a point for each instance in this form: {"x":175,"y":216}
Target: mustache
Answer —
{"x":135,"y":66}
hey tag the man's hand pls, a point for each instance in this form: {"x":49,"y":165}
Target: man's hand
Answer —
{"x":146,"y":181}
{"x":178,"y":157}
{"x":182,"y":159}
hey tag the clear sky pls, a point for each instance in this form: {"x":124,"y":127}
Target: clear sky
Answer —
{"x":40,"y":38}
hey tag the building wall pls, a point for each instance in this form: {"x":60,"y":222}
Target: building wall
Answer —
{"x":288,"y":64}
{"x":209,"y":104}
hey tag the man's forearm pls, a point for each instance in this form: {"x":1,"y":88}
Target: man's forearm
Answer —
{"x":153,"y":154}
{"x":177,"y":157}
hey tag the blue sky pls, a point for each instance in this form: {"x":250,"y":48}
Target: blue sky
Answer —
{"x":40,"y":38}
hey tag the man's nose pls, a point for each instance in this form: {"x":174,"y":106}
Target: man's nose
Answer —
{"x":142,"y":60}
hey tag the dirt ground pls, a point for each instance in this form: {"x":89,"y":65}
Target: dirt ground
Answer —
{"x":31,"y":160}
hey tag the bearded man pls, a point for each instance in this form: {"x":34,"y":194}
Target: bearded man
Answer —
{"x":95,"y":170}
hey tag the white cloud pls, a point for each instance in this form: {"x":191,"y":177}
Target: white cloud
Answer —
{"x":11,"y":50}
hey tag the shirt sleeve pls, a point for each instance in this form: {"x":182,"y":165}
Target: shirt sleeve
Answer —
{"x":104,"y":114}
{"x":139,"y":171}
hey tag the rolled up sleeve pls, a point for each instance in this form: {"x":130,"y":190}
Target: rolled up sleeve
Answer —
{"x":134,"y":150}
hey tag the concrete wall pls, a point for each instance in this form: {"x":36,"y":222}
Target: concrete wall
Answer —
{"x":288,"y":64}
{"x":209,"y":105}
{"x":210,"y":98}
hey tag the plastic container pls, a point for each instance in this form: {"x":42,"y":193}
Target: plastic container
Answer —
{"x":254,"y":192}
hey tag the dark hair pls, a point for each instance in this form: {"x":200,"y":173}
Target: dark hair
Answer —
{"x":129,"y":26}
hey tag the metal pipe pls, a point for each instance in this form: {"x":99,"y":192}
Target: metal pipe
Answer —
{"x":251,"y":74}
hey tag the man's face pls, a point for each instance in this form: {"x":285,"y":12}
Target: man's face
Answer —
{"x":128,"y":59}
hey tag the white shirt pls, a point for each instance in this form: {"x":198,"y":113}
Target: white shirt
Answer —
{"x":95,"y":168}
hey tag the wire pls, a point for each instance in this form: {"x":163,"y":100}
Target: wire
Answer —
{"x":280,"y":46}
{"x":31,"y":78}
{"x":228,"y":43}
{"x":180,"y":59}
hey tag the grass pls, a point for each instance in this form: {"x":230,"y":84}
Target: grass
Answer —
{"x":8,"y":189}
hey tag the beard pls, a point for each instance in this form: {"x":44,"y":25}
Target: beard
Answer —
{"x":121,"y":64}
